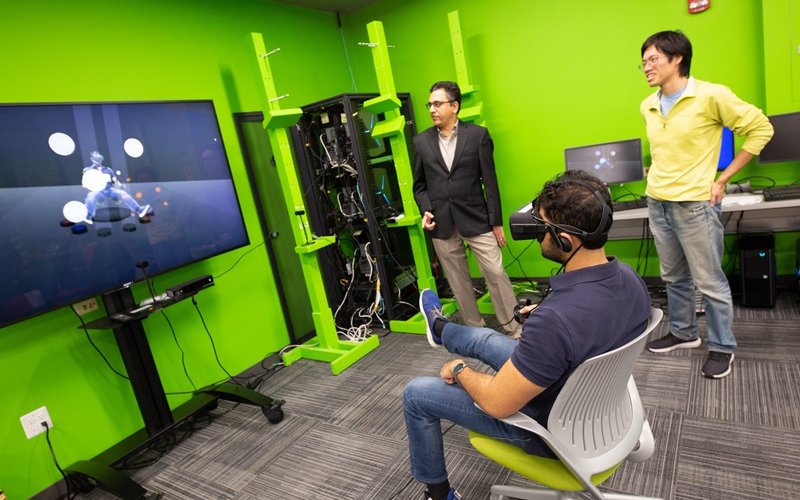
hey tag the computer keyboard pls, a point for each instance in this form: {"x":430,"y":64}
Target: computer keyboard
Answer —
{"x":788,"y":192}
{"x":629,"y":204}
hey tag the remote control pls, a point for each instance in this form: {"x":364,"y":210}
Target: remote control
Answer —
{"x":121,"y":317}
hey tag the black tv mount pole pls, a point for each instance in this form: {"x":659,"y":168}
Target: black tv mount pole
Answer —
{"x":151,"y":398}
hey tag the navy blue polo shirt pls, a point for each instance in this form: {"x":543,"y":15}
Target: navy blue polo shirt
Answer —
{"x":588,"y":312}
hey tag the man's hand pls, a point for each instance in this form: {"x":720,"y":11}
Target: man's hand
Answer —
{"x":717,"y":192}
{"x":447,"y":370}
{"x":427,"y":221}
{"x":525,"y":311}
{"x":499,"y":235}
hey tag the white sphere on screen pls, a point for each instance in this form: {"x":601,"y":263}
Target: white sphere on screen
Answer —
{"x":61,"y":144}
{"x":75,"y":211}
{"x":133,"y":147}
{"x":95,"y":180}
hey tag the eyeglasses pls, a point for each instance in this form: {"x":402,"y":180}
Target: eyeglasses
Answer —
{"x":652,"y":61}
{"x":437,"y":104}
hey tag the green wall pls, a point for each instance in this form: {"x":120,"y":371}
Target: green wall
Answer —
{"x":129,"y":50}
{"x":561,"y":74}
{"x":552,"y":75}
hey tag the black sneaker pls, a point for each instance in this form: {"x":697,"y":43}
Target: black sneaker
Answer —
{"x":451,"y":495}
{"x":431,"y":307}
{"x":670,"y":342}
{"x":718,"y":364}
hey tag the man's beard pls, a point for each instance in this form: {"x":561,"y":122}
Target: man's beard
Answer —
{"x":550,"y":252}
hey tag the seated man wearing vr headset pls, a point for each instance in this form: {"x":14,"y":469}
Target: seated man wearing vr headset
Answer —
{"x":596,"y":305}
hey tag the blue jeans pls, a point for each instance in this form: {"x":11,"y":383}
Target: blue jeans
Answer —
{"x":689,"y":240}
{"x":427,"y":400}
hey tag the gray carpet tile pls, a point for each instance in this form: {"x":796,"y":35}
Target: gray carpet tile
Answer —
{"x":787,"y":307}
{"x":663,"y":380}
{"x":327,"y":462}
{"x":235,"y":456}
{"x":777,"y":340}
{"x":378,"y":410}
{"x":177,"y":484}
{"x":314,"y":392}
{"x":723,"y":460}
{"x":343,"y":436}
{"x":471,"y":473}
{"x":757,"y":392}
{"x":656,"y":476}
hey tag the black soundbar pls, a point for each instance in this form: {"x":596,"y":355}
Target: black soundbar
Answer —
{"x":191,"y":287}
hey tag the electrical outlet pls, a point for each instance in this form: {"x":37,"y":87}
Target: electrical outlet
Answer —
{"x":32,"y":422}
{"x":86,"y":306}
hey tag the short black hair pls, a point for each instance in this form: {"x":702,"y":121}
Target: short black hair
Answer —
{"x":452,"y":90}
{"x":672,"y":43}
{"x":567,"y":199}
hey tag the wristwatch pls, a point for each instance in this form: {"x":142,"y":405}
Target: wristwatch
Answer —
{"x":457,"y":369}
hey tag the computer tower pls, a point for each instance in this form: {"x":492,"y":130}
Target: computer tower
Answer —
{"x":758,"y":271}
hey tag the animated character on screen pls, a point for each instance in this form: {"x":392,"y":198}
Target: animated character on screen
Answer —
{"x":102,"y":183}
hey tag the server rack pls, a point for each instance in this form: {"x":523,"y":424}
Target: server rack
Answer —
{"x":351,"y":191}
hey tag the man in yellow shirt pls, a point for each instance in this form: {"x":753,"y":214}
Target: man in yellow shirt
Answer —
{"x":684,"y":121}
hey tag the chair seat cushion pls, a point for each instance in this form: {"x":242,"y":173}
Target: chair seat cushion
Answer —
{"x":550,"y":472}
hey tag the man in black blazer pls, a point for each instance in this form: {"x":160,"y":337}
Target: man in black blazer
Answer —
{"x":455,"y":187}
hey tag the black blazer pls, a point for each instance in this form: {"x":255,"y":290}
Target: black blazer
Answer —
{"x":456,"y":197}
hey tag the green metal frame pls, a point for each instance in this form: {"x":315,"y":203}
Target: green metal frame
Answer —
{"x":393,"y":127}
{"x":326,"y":345}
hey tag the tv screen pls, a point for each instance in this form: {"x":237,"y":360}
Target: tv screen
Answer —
{"x":726,"y":149}
{"x":784,"y":145}
{"x":89,"y":190}
{"x":612,"y":162}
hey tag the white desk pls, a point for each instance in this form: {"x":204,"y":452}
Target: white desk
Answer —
{"x":762,"y":217}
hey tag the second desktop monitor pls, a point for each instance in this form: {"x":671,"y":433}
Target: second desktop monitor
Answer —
{"x":612,"y":162}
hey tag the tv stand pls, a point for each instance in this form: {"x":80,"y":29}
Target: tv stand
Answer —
{"x":150,"y":396}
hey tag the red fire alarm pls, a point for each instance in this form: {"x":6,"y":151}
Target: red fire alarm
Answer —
{"x":696,"y":6}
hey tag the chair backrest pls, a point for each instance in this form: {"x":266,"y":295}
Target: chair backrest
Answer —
{"x":595,"y":418}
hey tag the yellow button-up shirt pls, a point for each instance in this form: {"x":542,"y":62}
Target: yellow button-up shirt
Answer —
{"x":685,"y":144}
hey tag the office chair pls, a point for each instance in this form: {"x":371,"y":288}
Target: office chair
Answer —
{"x":597,"y":421}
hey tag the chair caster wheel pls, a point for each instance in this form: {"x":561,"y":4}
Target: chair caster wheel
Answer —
{"x":273,"y":413}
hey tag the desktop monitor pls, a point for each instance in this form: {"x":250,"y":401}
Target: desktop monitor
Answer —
{"x":726,"y":150}
{"x":87,"y":191}
{"x":784,"y":145}
{"x":611,"y":162}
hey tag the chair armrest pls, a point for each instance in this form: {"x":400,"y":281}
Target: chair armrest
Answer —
{"x":523,"y":421}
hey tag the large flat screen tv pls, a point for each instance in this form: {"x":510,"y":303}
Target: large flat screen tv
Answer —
{"x":87,"y":191}
{"x":612,"y":162}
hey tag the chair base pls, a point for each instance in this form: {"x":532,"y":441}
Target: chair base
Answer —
{"x":506,"y":492}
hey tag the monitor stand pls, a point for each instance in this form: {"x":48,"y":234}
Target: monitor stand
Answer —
{"x":153,"y":406}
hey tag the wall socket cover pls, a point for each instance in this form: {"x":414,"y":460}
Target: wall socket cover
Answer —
{"x":32,"y":422}
{"x":86,"y":306}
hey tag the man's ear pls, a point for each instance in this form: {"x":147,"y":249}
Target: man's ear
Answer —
{"x":567,"y":243}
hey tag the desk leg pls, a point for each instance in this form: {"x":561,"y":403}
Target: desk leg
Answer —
{"x":106,"y":478}
{"x":230,"y":392}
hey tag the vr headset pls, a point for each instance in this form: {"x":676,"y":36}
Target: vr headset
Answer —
{"x":527,"y":223}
